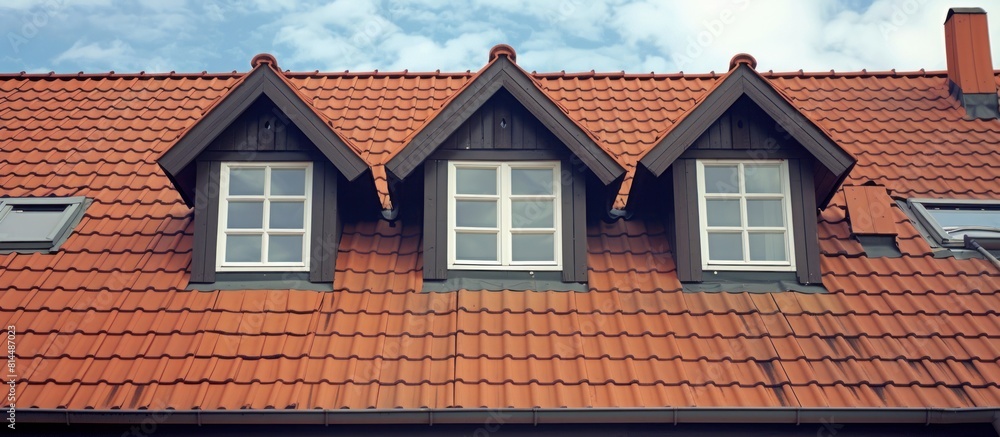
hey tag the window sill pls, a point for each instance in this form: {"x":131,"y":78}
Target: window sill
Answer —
{"x":261,"y":281}
{"x":492,"y":280}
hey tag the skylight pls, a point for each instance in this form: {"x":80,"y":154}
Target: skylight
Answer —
{"x":949,"y":221}
{"x":37,"y":224}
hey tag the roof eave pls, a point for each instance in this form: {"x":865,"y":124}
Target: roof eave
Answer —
{"x":426,"y":416}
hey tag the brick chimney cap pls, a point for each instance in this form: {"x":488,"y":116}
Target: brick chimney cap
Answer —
{"x":963,"y":11}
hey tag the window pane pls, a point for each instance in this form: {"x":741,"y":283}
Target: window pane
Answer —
{"x":721,"y":179}
{"x":762,"y":178}
{"x":245,"y":215}
{"x":287,"y":215}
{"x":288,"y":182}
{"x":284,"y":248}
{"x":725,"y":247}
{"x":966,"y":217}
{"x":533,"y":247}
{"x":476,"y":181}
{"x":475,"y":247}
{"x":246,"y":181}
{"x":476,"y":214}
{"x":767,"y":247}
{"x":531,"y":181}
{"x":765,"y":212}
{"x":243,"y":248}
{"x":723,"y":212}
{"x":533,"y":213}
{"x":22,"y":224}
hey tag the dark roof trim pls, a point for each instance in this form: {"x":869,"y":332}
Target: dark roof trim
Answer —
{"x":521,"y":415}
{"x":744,"y":81}
{"x":263,"y":80}
{"x":504,"y":74}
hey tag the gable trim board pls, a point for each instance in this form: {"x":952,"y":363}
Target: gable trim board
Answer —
{"x":261,"y":81}
{"x":744,"y":81}
{"x":503,"y":73}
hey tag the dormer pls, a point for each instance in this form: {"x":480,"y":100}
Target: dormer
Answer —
{"x":261,"y":170}
{"x":747,"y":174}
{"x":505,"y":176}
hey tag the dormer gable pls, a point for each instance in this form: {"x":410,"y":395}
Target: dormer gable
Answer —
{"x":261,"y":170}
{"x":505,"y":175}
{"x":264,"y":80}
{"x":747,"y":173}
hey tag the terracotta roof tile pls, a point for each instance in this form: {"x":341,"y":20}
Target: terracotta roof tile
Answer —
{"x":106,"y":322}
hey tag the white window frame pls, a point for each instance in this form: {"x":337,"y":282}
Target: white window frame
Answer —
{"x":224,"y":198}
{"x":742,"y":195}
{"x":505,"y":230}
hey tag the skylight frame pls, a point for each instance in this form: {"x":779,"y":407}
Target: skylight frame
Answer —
{"x":74,"y":207}
{"x":940,"y":236}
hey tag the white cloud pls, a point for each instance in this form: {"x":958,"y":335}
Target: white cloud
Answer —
{"x":116,"y":55}
{"x":573,"y":35}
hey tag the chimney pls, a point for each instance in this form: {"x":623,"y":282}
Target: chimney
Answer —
{"x":970,"y":68}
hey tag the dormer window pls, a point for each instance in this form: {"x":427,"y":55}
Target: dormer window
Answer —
{"x":504,"y":215}
{"x":264,"y":216}
{"x":745,"y":214}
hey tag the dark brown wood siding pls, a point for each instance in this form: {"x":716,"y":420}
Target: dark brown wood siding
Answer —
{"x":435,"y":238}
{"x":501,"y":123}
{"x":206,"y":221}
{"x":326,"y":224}
{"x":262,"y":128}
{"x":745,"y":127}
{"x":687,"y":232}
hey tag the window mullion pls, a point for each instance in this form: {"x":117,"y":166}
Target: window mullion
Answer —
{"x":505,"y":219}
{"x":266,"y":220}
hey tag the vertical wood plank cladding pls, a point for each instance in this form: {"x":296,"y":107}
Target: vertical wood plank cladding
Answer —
{"x":482,"y":130}
{"x":567,"y":186}
{"x":579,"y":225}
{"x":688,"y":251}
{"x":317,"y":226}
{"x":215,"y":170}
{"x":206,"y":222}
{"x":807,"y":263}
{"x":503,"y":127}
{"x":325,"y":233}
{"x":199,"y":268}
{"x":435,"y":220}
{"x":262,"y":128}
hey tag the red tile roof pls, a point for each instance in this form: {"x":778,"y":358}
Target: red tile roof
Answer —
{"x":106,"y":323}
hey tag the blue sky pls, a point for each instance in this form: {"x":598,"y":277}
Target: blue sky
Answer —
{"x":637,"y":36}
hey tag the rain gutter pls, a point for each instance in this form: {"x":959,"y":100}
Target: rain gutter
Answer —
{"x":534,"y":416}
